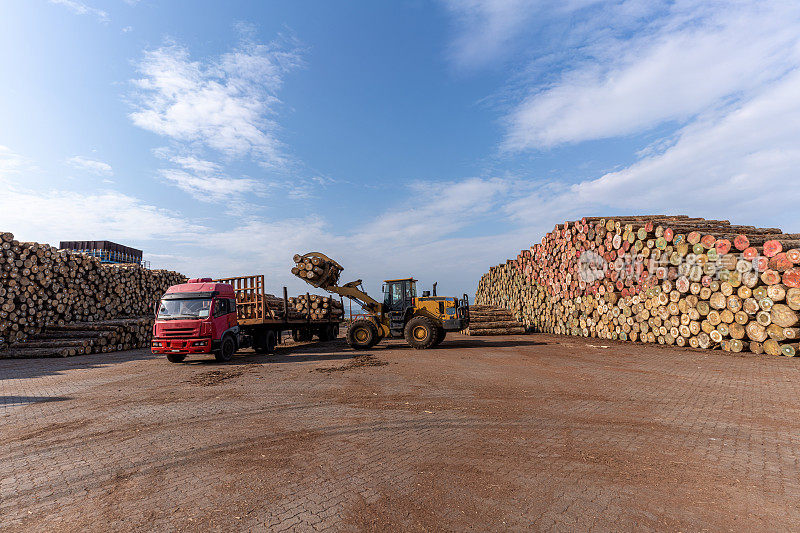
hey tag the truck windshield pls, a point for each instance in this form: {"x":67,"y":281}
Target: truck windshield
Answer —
{"x":184,"y":308}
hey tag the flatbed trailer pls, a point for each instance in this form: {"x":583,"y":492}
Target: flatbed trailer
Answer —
{"x":260,"y":313}
{"x":205,"y":316}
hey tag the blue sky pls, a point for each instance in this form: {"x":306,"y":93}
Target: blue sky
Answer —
{"x":426,"y":138}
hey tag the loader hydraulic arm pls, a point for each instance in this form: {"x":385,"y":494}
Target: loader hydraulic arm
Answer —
{"x":351,"y":290}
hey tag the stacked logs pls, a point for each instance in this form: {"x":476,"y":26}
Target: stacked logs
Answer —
{"x":317,"y":307}
{"x":276,"y":304}
{"x":80,"y":338}
{"x":490,"y":320}
{"x":316,"y":271}
{"x":42,"y":286}
{"x":658,"y":278}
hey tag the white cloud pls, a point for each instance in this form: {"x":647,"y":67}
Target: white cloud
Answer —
{"x":80,"y":8}
{"x":10,"y":162}
{"x":488,"y":32}
{"x":210,"y":188}
{"x":67,"y":215}
{"x":437,"y":209}
{"x":419,"y":238}
{"x":741,"y":163}
{"x":90,"y":165}
{"x":206,"y":180}
{"x":722,"y":77}
{"x":688,"y":62}
{"x":190,"y":162}
{"x":225,"y":104}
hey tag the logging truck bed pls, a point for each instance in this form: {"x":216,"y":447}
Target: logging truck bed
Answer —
{"x":483,"y":433}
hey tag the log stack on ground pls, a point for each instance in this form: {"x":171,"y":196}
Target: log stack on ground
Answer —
{"x":80,"y":338}
{"x":42,"y":286}
{"x":669,"y":279}
{"x":317,"y":307}
{"x":490,"y":320}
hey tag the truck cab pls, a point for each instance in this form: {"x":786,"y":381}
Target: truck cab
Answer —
{"x":197,"y":317}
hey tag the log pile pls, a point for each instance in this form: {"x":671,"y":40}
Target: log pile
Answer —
{"x":317,"y":307}
{"x":315,"y":270}
{"x":491,"y":320}
{"x":42,"y":286}
{"x":667,"y":279}
{"x":80,"y":338}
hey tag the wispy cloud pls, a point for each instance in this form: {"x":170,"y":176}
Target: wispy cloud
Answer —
{"x":626,"y":67}
{"x":486,"y":31}
{"x":90,"y":165}
{"x":225,"y":103}
{"x":65,"y":215}
{"x":206,"y":180}
{"x":11,"y":162}
{"x":208,"y":188}
{"x":677,"y":67}
{"x":80,"y":8}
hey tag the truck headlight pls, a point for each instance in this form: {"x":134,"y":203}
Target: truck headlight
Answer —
{"x":156,"y":344}
{"x":200,"y":343}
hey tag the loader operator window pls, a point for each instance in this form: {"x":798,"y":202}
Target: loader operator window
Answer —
{"x":412,"y":290}
{"x":184,"y":308}
{"x":394,"y":296}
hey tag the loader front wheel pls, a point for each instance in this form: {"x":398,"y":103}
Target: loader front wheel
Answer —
{"x":420,"y":332}
{"x":362,"y":335}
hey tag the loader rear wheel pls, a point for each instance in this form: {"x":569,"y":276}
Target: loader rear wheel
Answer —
{"x":440,"y":335}
{"x":362,"y":335}
{"x":420,"y":332}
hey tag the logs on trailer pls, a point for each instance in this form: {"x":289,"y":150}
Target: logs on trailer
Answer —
{"x":42,"y":286}
{"x":316,"y":271}
{"x":659,"y":278}
{"x":491,"y":320}
{"x":317,"y":307}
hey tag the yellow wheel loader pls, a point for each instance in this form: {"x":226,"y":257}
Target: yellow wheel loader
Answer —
{"x":422,"y":320}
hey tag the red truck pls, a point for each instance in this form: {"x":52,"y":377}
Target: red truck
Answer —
{"x":205,"y":316}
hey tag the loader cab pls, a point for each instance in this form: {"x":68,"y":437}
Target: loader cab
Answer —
{"x":399,"y":294}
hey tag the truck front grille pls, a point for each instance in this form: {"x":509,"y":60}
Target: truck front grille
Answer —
{"x":179,"y":332}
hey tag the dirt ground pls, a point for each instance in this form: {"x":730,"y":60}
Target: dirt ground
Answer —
{"x":520,"y":432}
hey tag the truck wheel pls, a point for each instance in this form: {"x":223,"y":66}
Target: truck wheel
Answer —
{"x":176,"y":357}
{"x":362,"y":335}
{"x":420,"y":332}
{"x":227,"y":350}
{"x":440,"y":335}
{"x":260,"y":343}
{"x":327,"y":333}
